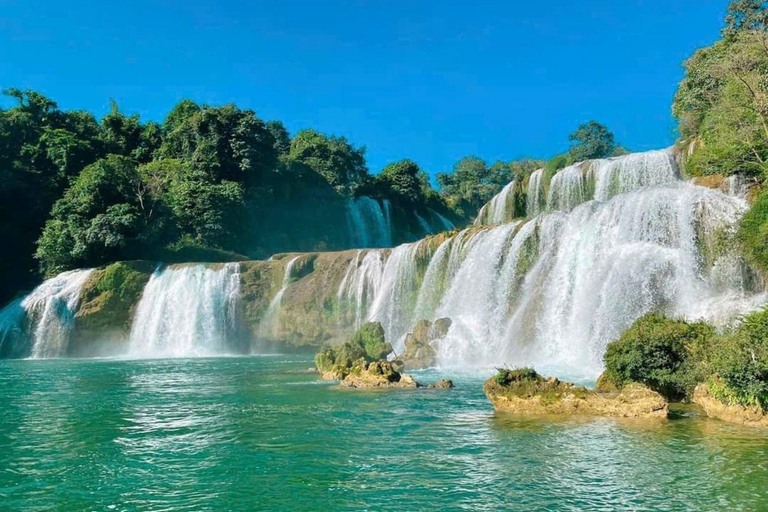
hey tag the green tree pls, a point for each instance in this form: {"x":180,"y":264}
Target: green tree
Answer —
{"x":593,"y":140}
{"x":41,"y":149}
{"x":97,"y":218}
{"x":282,"y":138}
{"x":225,"y":143}
{"x":746,"y":15}
{"x":660,"y":352}
{"x":405,"y":179}
{"x":335,"y":159}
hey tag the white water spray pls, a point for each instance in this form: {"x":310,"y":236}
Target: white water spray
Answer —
{"x":186,"y":312}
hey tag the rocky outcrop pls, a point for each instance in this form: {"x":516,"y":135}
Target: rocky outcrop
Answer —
{"x":377,"y":374}
{"x":361,"y":363}
{"x":753,"y":416}
{"x":108,"y":300}
{"x":442,"y":384}
{"x":524,"y":392}
{"x":421,"y":345}
{"x":605,"y":384}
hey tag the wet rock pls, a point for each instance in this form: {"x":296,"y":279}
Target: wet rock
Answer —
{"x":442,"y":384}
{"x":422,"y":343}
{"x":753,"y":416}
{"x":377,"y":374}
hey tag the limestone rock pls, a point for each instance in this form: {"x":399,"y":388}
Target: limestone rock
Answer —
{"x":605,"y":384}
{"x":421,"y":344}
{"x":377,"y":374}
{"x":530,"y":394}
{"x":442,"y":384}
{"x":753,"y":416}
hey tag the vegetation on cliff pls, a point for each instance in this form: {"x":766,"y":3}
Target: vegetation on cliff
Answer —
{"x":674,"y":356}
{"x":722,"y":103}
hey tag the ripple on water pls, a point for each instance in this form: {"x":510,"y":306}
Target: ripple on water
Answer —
{"x":258,"y":433}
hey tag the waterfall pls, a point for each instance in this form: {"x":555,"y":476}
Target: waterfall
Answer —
{"x":535,"y":193}
{"x":603,"y":179}
{"x":370,"y":223}
{"x":12,"y":337}
{"x":360,"y":285}
{"x":446,"y":224}
{"x":423,"y":223}
{"x":500,"y":209}
{"x":397,"y":292}
{"x":40,"y":324}
{"x":625,"y":236}
{"x":268,"y":322}
{"x":187,"y":311}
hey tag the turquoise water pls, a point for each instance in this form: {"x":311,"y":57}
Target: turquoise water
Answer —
{"x":261,"y":434}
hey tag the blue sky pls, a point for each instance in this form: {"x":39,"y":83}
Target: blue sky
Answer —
{"x":428,"y":80}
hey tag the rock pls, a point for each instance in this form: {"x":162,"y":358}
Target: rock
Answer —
{"x":605,"y":384}
{"x":442,"y":384}
{"x":524,"y":392}
{"x":753,"y":416}
{"x":377,"y":374}
{"x":421,"y":344}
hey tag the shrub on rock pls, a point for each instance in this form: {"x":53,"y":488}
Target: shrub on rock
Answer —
{"x":664,"y":354}
{"x":740,"y":362}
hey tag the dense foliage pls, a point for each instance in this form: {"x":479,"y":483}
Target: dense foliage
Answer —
{"x":673,"y":356}
{"x":473,"y":183}
{"x":722,"y":103}
{"x":662,"y":353}
{"x":739,"y":363}
{"x":212,"y":183}
{"x":753,"y":233}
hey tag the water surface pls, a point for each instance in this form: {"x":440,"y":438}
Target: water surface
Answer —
{"x":259,"y":433}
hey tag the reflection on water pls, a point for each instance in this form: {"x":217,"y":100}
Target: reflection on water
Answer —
{"x":259,"y":433}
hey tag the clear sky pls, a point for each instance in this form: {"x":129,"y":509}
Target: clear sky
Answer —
{"x":428,"y":80}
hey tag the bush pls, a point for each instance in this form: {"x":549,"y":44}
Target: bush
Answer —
{"x":368,"y":343}
{"x":740,"y":363}
{"x":664,"y":354}
{"x":370,"y":338}
{"x":505,"y":377}
{"x":753,"y":233}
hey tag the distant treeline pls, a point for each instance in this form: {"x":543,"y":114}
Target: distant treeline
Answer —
{"x":213,"y":183}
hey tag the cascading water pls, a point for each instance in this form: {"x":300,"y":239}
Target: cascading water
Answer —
{"x":43,"y":319}
{"x":425,"y":227}
{"x":535,"y":194}
{"x":269,"y":321}
{"x":446,"y":224}
{"x":603,"y":179}
{"x":187,"y":311}
{"x":500,"y":209}
{"x":369,"y":222}
{"x":360,"y":285}
{"x":554,"y":290}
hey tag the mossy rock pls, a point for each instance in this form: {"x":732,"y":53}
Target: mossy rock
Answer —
{"x":421,"y":343}
{"x":111,"y":294}
{"x":366,"y":346}
{"x":525,"y":392}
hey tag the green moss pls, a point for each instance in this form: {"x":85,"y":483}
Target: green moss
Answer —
{"x":527,"y":383}
{"x":112,"y":293}
{"x":367,"y":344}
{"x":753,"y":233}
{"x":664,"y":354}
